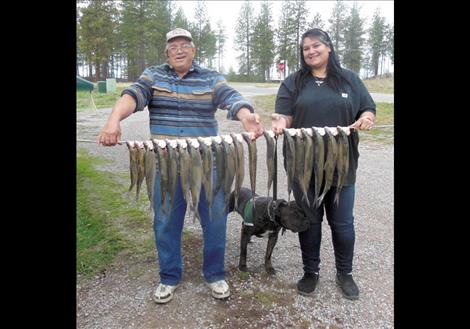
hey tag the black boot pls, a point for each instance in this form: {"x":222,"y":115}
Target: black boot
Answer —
{"x":347,"y":285}
{"x":306,"y":286}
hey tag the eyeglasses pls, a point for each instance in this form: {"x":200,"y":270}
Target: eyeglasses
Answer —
{"x":174,"y":49}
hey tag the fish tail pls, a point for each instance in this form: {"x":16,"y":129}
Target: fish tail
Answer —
{"x":305,"y":197}
{"x":196,"y":215}
{"x":137,"y":192}
{"x":319,"y":200}
{"x":336,"y":200}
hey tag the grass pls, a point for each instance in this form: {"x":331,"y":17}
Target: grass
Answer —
{"x":380,"y":85}
{"x":384,"y":116}
{"x":102,"y":100}
{"x":100,"y":210}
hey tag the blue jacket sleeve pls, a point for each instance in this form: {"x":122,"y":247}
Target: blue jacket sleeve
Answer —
{"x":141,"y":91}
{"x":227,"y":98}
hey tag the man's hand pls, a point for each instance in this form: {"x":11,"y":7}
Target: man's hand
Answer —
{"x":279,"y":122}
{"x":110,"y":134}
{"x":250,"y":122}
{"x":365,"y":122}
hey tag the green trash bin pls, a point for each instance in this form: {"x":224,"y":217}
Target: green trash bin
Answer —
{"x":102,"y":86}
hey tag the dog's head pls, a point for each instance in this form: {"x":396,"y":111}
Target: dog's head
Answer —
{"x":291,"y":216}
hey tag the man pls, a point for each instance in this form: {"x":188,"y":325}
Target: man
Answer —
{"x":182,"y":98}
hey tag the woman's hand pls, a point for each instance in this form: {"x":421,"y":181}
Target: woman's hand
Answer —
{"x":365,"y":122}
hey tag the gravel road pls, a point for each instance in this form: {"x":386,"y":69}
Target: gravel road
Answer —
{"x":122,"y":297}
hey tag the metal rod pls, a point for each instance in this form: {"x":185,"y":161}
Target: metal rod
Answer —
{"x":123,"y":142}
{"x":90,"y":141}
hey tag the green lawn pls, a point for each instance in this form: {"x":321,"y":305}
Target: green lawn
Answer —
{"x":102,"y":100}
{"x":108,"y":223}
{"x":380,"y":85}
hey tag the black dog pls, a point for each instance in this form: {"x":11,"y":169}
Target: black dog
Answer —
{"x":265,"y":219}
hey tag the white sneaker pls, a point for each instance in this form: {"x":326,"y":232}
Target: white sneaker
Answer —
{"x":164,"y":293}
{"x":219,"y":289}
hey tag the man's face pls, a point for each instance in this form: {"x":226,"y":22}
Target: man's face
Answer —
{"x":180,"y":54}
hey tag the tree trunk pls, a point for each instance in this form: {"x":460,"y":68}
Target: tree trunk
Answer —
{"x":90,"y":71}
{"x":98,"y":71}
{"x":112,"y":72}
{"x":105,"y":70}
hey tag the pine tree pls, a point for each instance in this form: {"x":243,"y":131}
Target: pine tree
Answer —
{"x":353,"y":40}
{"x":376,"y":40}
{"x":244,"y":31}
{"x":263,"y":42}
{"x":286,"y":36}
{"x":317,"y":22}
{"x":97,"y":37}
{"x":300,"y":13}
{"x":337,"y":27}
{"x":389,"y":42}
{"x":180,"y":20}
{"x":221,"y":37}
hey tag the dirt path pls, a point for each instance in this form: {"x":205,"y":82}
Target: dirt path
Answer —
{"x":121,"y":297}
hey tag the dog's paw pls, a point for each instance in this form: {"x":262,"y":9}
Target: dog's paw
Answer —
{"x":243,"y":268}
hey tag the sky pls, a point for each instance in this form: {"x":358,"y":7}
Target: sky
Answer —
{"x":228,"y":12}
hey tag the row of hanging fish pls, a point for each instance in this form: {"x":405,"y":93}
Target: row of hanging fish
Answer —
{"x":192,"y":161}
{"x":327,"y":149}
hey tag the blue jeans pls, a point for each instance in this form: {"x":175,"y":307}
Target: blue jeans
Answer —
{"x":168,"y":229}
{"x":341,"y":221}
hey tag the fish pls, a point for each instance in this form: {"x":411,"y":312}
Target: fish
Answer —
{"x":230,"y":170}
{"x":270,"y":148}
{"x":252,"y":158}
{"x":239,"y":165}
{"x":289,"y":160}
{"x":308,"y":162}
{"x":132,"y":163}
{"x":163,"y":161}
{"x":318,"y":162}
{"x":342,"y":163}
{"x":207,"y":164}
{"x":140,"y":168}
{"x":330,"y":163}
{"x":150,"y":169}
{"x":184,"y":168}
{"x":195,"y":174}
{"x":299,"y":163}
{"x":219,"y":162}
{"x":172,"y":169}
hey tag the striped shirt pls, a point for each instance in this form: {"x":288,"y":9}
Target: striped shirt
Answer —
{"x":185,"y":107}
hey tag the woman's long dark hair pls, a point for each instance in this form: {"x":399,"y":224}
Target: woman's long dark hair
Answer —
{"x":334,"y":72}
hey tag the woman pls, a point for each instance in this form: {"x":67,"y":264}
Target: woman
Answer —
{"x":322,"y":93}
